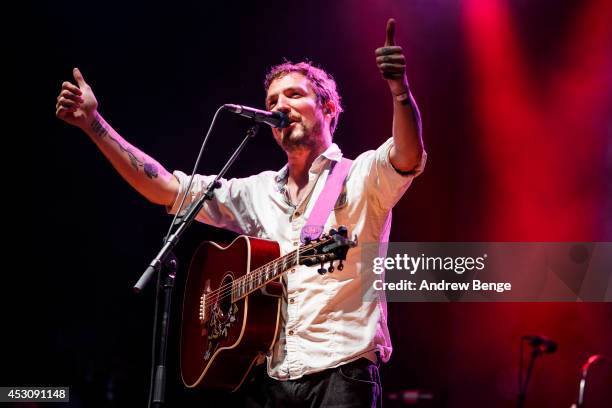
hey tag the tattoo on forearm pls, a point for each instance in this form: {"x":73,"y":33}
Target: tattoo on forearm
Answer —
{"x":150,"y":169}
{"x":99,"y":128}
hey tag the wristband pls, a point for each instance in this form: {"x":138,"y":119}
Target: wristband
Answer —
{"x":401,"y":97}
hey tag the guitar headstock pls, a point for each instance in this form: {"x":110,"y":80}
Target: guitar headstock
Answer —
{"x":330,"y":247}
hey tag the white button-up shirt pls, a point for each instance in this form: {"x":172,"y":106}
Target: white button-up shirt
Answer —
{"x":326,"y":321}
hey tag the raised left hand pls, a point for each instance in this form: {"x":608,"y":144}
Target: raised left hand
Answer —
{"x":391,"y":62}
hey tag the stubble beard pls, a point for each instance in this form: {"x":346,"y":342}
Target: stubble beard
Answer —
{"x":302,"y":137}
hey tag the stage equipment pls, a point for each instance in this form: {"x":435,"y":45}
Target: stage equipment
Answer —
{"x":541,"y":345}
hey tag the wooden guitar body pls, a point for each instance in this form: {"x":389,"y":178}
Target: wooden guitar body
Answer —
{"x":228,"y":321}
{"x":223,"y":334}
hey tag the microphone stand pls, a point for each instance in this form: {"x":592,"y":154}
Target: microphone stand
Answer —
{"x":523,"y":387}
{"x":165,"y":258}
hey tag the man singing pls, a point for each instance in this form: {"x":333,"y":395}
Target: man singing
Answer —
{"x":331,"y":340}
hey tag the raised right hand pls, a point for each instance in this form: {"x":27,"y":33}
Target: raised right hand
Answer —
{"x":76,"y":104}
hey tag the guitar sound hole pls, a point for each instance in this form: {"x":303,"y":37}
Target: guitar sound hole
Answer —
{"x":225,"y":298}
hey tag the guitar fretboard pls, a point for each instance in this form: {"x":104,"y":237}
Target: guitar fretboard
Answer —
{"x":259,"y":277}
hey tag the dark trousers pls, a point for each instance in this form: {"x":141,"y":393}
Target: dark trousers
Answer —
{"x":355,"y":384}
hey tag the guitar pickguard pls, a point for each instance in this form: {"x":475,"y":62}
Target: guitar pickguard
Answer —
{"x":218,"y":326}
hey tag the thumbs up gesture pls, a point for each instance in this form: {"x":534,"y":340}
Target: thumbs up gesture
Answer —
{"x":391,"y":62}
{"x":76,"y":104}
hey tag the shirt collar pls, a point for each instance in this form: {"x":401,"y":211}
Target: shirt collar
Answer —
{"x":332,"y":153}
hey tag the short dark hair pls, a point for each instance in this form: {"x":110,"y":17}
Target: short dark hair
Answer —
{"x":322,"y":82}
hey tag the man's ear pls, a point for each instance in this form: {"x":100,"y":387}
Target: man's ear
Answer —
{"x":329,"y":108}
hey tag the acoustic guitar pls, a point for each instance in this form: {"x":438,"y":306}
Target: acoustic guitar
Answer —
{"x":231,"y":308}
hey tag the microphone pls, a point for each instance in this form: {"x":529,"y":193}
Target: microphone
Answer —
{"x":274,"y":119}
{"x":544,"y":344}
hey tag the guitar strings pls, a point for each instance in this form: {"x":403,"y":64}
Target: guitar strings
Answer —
{"x":293,"y":258}
{"x":223,"y":291}
{"x":255,"y":275}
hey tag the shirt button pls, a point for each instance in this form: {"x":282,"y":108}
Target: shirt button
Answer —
{"x":291,"y":300}
{"x":297,"y":214}
{"x":290,"y":332}
{"x":295,"y":243}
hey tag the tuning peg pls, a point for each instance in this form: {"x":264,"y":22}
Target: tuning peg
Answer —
{"x":342,"y":230}
{"x":340,"y":265}
{"x":322,"y":269}
{"x":331,"y":267}
{"x":332,"y":232}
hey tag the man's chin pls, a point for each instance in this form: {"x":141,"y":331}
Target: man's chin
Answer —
{"x":292,"y":145}
{"x":296,"y":137}
{"x":292,"y":130}
{"x":293,"y":136}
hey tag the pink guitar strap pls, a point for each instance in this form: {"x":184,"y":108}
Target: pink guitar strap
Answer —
{"x":326,"y":201}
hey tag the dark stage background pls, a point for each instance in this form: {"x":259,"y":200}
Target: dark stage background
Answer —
{"x":515,"y":97}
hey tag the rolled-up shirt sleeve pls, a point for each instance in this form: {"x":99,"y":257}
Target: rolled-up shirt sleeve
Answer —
{"x":384,"y":182}
{"x":228,"y":209}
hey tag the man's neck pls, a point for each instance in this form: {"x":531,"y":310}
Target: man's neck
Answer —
{"x":300,"y":160}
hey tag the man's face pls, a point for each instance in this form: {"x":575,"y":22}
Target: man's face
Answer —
{"x":293,"y":95}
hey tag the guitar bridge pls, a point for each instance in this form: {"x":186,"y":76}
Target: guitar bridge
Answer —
{"x":203,"y":312}
{"x":203,"y":309}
